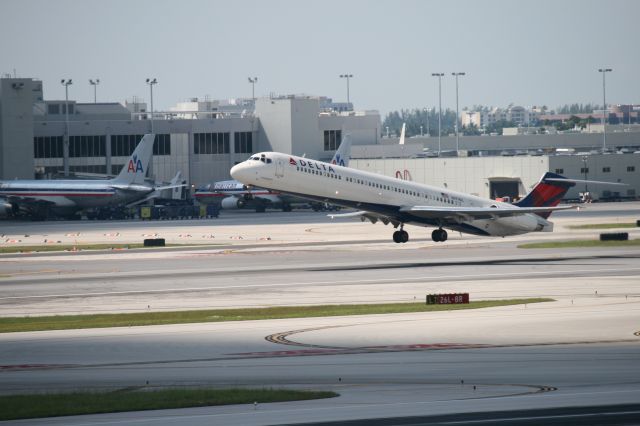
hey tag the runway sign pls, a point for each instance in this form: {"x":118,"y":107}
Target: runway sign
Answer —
{"x":447,"y":299}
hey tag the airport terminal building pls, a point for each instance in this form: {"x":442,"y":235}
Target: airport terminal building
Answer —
{"x":203,"y":144}
{"x":204,"y":139}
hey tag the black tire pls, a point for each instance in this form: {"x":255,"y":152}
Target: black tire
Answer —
{"x":404,"y":236}
{"x":435,"y":235}
{"x":396,"y":237}
{"x":443,"y":235}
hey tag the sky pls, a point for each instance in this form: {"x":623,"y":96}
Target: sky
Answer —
{"x":544,"y":52}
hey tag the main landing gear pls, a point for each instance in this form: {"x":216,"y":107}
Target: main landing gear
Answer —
{"x":439,"y":235}
{"x":400,"y":236}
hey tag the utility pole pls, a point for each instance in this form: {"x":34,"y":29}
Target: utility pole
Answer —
{"x":604,"y":71}
{"x":95,"y":83}
{"x":151,"y":83}
{"x":253,"y":82}
{"x":347,"y":76}
{"x":439,"y":75}
{"x":456,"y":74}
{"x":65,"y":143}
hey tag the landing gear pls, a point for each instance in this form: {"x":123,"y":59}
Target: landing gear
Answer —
{"x":439,"y":235}
{"x":400,"y":236}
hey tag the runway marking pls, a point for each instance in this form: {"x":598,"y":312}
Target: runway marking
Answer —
{"x":426,"y":278}
{"x":20,"y":367}
{"x":494,"y":420}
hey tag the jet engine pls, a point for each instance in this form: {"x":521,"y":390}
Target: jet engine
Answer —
{"x":8,"y":209}
{"x":230,"y":203}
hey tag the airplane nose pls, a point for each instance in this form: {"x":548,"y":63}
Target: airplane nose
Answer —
{"x":238,"y":172}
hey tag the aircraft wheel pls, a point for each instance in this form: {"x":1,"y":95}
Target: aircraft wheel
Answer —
{"x":404,"y":236}
{"x":439,"y":235}
{"x":396,"y":237}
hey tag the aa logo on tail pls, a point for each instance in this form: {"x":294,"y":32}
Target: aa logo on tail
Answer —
{"x":135,"y":165}
{"x":338,"y":161}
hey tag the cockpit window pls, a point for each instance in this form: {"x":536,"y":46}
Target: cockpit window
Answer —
{"x":268,"y":160}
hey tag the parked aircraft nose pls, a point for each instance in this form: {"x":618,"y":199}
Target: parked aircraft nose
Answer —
{"x":240,"y":172}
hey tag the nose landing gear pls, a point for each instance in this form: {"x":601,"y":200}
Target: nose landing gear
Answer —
{"x":439,"y":235}
{"x":400,"y":236}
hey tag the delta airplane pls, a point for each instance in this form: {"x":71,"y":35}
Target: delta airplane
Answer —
{"x":400,"y":202}
{"x":232,"y":194}
{"x":65,"y":197}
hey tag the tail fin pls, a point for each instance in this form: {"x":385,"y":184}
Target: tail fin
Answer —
{"x":135,"y":169}
{"x":176,"y":191}
{"x":401,"y":140}
{"x":343,"y":154}
{"x":547,"y":193}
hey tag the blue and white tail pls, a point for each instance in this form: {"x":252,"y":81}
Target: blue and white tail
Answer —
{"x":135,"y":169}
{"x":343,"y":153}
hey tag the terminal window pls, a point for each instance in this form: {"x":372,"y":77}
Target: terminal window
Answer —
{"x":87,"y":146}
{"x":162,"y":144}
{"x":211,"y":143}
{"x":631,"y":168}
{"x":243,"y":142}
{"x":124,"y":145}
{"x":332,"y":139}
{"x":47,"y":147}
{"x":606,"y":169}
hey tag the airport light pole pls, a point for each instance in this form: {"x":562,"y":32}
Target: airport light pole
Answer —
{"x":604,"y":71}
{"x":439,"y":75}
{"x":585,"y":170}
{"x":456,"y":75}
{"x":253,"y":81}
{"x":347,"y":76}
{"x":151,"y":83}
{"x":95,"y":83}
{"x":65,"y":143}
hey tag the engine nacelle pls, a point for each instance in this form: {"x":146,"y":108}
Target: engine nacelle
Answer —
{"x":230,"y":203}
{"x":7,"y":209}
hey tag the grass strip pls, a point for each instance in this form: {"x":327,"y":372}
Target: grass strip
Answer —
{"x":580,"y":243}
{"x":73,"y":247}
{"x":13,"y":407}
{"x":604,"y":226}
{"x":67,"y":322}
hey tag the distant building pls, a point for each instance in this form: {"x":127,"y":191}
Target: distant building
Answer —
{"x":201,"y":138}
{"x":518,"y":115}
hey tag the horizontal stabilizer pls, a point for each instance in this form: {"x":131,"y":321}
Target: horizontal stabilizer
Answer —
{"x":467,"y":213}
{"x":596,"y":182}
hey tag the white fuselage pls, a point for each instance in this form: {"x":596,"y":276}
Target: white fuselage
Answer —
{"x":375,"y":193}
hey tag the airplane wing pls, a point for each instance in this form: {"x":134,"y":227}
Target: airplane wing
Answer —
{"x":471,"y":213}
{"x":365,"y":215}
{"x":161,"y":188}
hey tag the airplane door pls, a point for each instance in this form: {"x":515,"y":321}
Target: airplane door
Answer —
{"x":279,"y":167}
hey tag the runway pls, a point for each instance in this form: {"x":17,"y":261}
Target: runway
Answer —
{"x":581,"y":350}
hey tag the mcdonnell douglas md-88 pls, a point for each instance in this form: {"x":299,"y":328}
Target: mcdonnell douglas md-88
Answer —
{"x":231,"y":194}
{"x":65,"y":197}
{"x":400,"y":202}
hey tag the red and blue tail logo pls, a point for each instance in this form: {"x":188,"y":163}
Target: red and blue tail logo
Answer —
{"x":135,"y":165}
{"x":547,"y":193}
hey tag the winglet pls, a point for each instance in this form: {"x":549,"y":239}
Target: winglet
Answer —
{"x":135,"y":169}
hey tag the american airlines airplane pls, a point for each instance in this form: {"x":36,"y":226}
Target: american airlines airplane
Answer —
{"x":395,"y":201}
{"x":232,"y":194}
{"x":65,"y":197}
